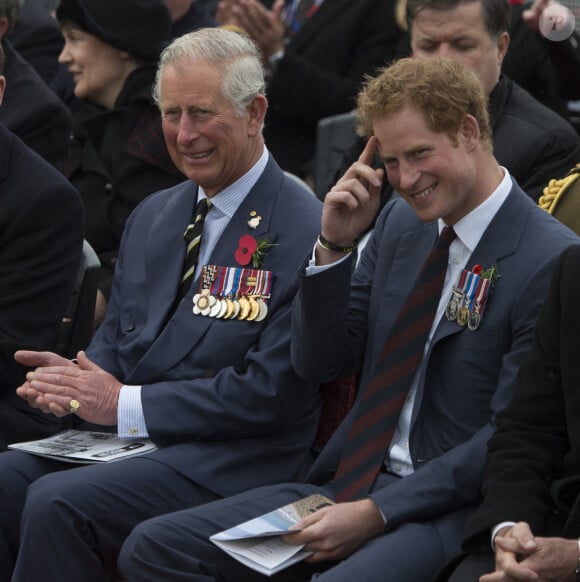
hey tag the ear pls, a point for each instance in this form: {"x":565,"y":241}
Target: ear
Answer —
{"x":503,"y":42}
{"x":469,"y":132}
{"x":257,"y":112}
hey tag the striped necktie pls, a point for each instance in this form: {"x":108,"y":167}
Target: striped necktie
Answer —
{"x":192,"y":236}
{"x":379,"y":406}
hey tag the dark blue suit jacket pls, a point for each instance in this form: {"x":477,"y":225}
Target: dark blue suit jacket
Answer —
{"x":468,"y":376}
{"x":220,"y":395}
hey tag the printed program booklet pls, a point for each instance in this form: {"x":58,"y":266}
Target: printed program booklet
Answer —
{"x":258,"y":543}
{"x":80,"y":446}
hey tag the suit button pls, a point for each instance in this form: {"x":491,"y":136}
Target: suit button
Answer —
{"x":108,"y":189}
{"x":130,"y":327}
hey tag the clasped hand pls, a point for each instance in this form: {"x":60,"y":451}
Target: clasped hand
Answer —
{"x":522,"y":556}
{"x":56,"y":381}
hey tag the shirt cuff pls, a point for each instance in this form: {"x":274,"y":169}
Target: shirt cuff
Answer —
{"x":496,"y":529}
{"x":312,"y":268}
{"x":130,"y":417}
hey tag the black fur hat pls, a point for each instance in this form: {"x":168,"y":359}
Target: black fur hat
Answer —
{"x":140,"y":27}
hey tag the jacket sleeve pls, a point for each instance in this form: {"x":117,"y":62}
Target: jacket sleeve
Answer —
{"x":40,"y":249}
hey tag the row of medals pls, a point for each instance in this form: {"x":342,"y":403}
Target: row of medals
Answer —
{"x":459,"y":309}
{"x":246,"y":307}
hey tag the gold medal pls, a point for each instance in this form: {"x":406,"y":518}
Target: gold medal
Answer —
{"x":229,"y":308}
{"x":244,"y":307}
{"x":254,"y":309}
{"x":236,"y":310}
{"x":463,"y":316}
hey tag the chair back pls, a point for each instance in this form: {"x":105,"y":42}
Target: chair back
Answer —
{"x":335,"y":135}
{"x":76,"y":329}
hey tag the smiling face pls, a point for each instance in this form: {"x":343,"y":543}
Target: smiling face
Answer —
{"x":98,"y":69}
{"x":437,"y":178}
{"x":459,"y":33}
{"x":205,"y":137}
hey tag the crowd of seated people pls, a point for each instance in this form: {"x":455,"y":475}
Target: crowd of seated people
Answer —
{"x":231,"y":302}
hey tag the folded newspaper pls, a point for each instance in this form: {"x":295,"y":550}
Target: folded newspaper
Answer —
{"x":80,"y":446}
{"x":259,"y":543}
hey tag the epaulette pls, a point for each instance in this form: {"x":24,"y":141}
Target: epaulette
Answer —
{"x":556,"y":188}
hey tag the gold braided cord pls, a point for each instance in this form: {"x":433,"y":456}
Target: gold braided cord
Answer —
{"x":555,"y":190}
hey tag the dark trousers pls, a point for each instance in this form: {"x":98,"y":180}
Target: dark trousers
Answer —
{"x":176,"y":547}
{"x":67,"y":524}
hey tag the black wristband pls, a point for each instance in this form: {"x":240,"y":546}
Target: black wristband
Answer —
{"x":330,"y":246}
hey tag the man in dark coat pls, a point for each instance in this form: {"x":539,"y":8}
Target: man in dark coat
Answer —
{"x":30,"y":108}
{"x":533,"y":142}
{"x":316,"y":67}
{"x":530,"y":509}
{"x":41,"y":235}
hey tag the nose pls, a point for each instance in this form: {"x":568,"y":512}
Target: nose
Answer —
{"x":64,"y":56}
{"x":187,"y":130}
{"x":408,"y":176}
{"x":444,"y":51}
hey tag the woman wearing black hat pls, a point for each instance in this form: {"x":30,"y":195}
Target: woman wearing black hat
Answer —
{"x":117,"y":151}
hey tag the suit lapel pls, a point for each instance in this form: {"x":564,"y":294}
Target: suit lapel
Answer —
{"x":184,"y":330}
{"x":500,"y":240}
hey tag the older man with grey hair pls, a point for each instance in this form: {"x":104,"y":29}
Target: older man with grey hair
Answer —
{"x":194,"y":352}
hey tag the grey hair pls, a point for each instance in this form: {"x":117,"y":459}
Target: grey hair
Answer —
{"x":236,"y":54}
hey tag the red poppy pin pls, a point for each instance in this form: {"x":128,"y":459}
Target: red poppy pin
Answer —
{"x":250,"y":249}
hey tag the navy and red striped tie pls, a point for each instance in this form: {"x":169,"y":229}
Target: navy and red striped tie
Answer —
{"x":379,"y":406}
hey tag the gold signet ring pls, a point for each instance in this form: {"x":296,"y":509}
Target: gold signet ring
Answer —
{"x":74,"y":406}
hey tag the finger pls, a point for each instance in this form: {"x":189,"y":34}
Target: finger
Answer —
{"x":294,"y":539}
{"x":368,"y":154}
{"x":375,"y":189}
{"x":24,"y":390}
{"x":517,"y":572}
{"x":349,"y":200}
{"x":33,"y":359}
{"x":319,"y":557}
{"x":277,"y":9}
{"x":53,"y":384}
{"x":58,"y":410}
{"x":309,"y":520}
{"x":523,"y":534}
{"x":86,"y":364}
{"x":58,"y":374}
{"x":514,"y":545}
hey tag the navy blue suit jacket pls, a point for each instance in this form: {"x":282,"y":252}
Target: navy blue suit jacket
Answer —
{"x":468,"y":375}
{"x":221,"y":396}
